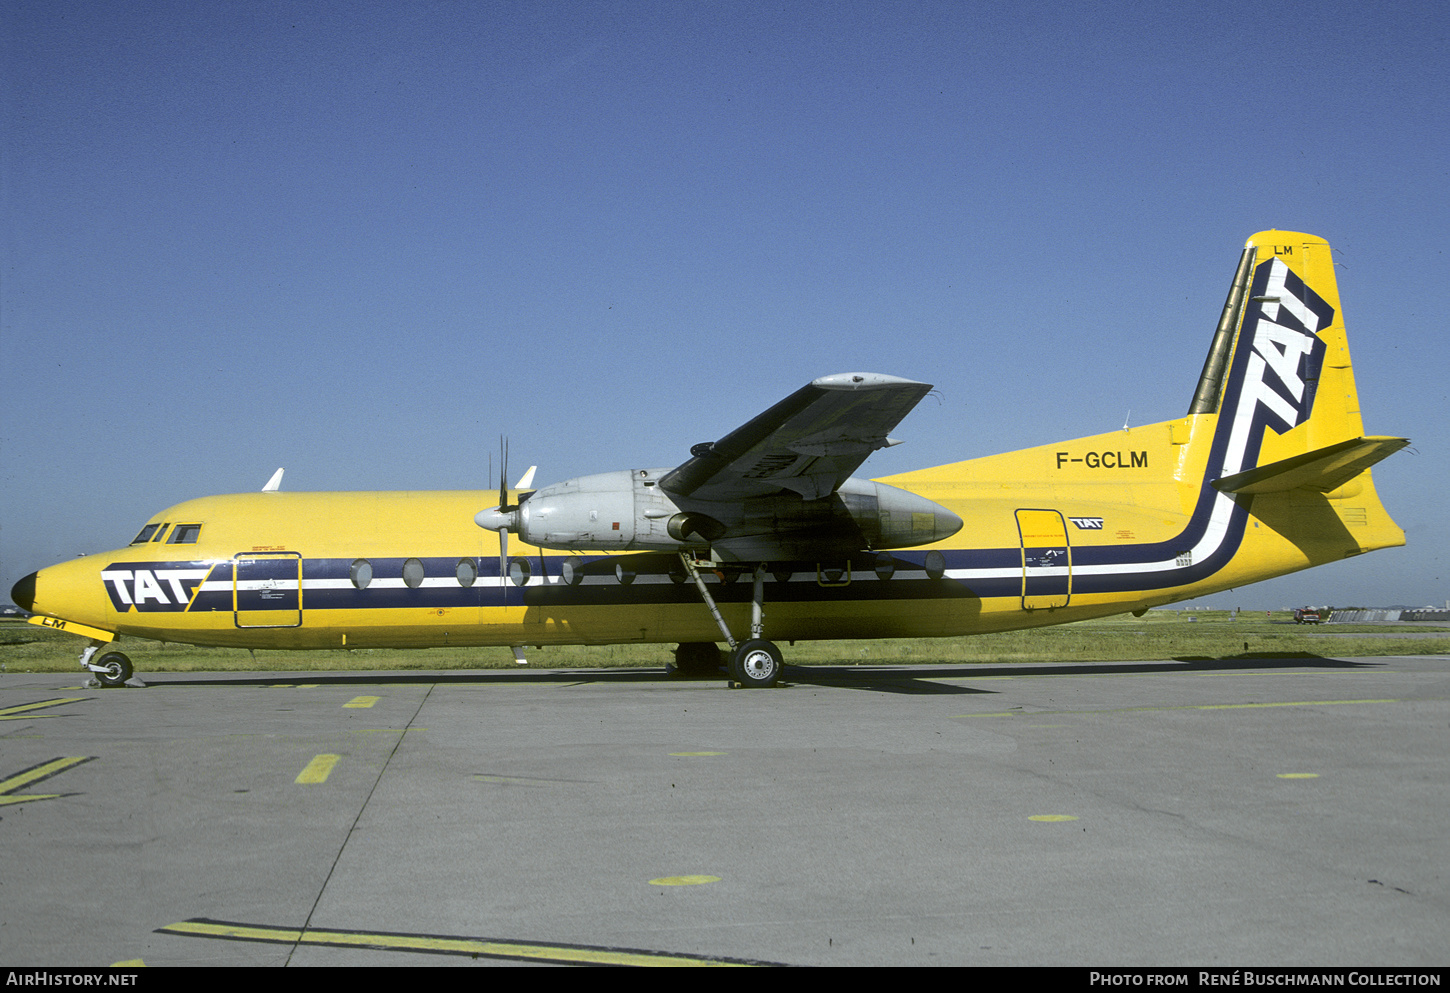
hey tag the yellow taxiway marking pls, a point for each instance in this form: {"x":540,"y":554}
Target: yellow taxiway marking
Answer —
{"x":1204,"y":706}
{"x":22,"y":711}
{"x":317,"y":770}
{"x":34,"y":775}
{"x":1298,"y":775}
{"x":1052,"y":818}
{"x":684,"y":880}
{"x":361,"y":702}
{"x":201,"y":927}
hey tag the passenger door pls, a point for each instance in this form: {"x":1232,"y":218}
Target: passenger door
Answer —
{"x":267,"y":590}
{"x":1046,"y":559}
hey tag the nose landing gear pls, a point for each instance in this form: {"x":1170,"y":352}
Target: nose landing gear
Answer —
{"x":112,"y":669}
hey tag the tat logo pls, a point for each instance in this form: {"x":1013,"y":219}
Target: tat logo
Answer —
{"x":1088,"y":523}
{"x":152,"y":586}
{"x":1283,"y":369}
{"x":1276,"y":365}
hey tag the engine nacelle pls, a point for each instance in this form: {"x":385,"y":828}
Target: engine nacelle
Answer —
{"x":630,"y":511}
{"x":894,"y":518}
{"x":588,"y":512}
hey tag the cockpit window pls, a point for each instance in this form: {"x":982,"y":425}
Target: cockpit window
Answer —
{"x":184,"y":534}
{"x":157,"y":536}
{"x":147,"y":533}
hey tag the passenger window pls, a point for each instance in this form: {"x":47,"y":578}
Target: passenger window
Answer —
{"x":145,"y":534}
{"x":184,"y":534}
{"x":361,"y":573}
{"x":412,"y":574}
{"x":467,"y":572}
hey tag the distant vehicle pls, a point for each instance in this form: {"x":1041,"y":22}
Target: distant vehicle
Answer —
{"x":1307,"y":615}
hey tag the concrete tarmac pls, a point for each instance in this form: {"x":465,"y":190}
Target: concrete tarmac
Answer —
{"x":1229,"y":814}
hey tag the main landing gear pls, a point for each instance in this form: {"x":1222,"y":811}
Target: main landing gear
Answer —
{"x":697,"y":658}
{"x":112,"y":669}
{"x":754,"y":663}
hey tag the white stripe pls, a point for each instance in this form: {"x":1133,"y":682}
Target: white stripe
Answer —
{"x":1287,"y":300}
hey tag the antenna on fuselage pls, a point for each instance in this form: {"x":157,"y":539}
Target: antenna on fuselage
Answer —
{"x":275,"y":483}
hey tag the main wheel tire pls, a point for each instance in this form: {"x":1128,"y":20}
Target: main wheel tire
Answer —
{"x":756,"y":664}
{"x":116,"y":669}
{"x":697,"y":658}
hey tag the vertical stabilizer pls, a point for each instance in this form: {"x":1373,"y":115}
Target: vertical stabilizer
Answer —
{"x":1288,"y":436}
{"x":1283,"y":385}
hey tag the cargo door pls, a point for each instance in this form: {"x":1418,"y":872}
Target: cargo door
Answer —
{"x":1046,"y":559}
{"x":267,"y":590}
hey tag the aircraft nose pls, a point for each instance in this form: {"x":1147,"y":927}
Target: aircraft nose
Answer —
{"x":23,"y":593}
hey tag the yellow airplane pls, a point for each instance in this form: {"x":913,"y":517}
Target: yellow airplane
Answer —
{"x":1268,"y":473}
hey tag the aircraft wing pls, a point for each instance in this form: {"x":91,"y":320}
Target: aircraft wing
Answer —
{"x":810,"y":442}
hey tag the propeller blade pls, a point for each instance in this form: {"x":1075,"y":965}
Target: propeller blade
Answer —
{"x":503,"y":471}
{"x":503,"y":561}
{"x":506,"y":516}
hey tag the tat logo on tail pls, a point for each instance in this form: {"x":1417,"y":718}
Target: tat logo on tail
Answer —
{"x":1278,"y":375}
{"x":1286,"y":344}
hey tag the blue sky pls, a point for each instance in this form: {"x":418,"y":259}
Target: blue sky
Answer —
{"x":363,"y":240}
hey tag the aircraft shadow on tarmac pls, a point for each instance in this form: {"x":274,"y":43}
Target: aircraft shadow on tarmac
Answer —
{"x":912,"y":679}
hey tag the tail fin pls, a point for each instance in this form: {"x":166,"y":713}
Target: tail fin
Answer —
{"x":1283,"y":386}
{"x":1267,"y":474}
{"x":1279,"y":379}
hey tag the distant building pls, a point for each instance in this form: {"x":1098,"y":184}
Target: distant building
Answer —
{"x":1389,"y":614}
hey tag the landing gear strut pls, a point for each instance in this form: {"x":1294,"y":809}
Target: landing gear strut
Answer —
{"x":754,"y":663}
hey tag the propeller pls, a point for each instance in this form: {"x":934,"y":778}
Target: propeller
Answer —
{"x":505,"y":517}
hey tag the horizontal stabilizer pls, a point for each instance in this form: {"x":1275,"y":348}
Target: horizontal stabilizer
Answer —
{"x":1323,"y":470}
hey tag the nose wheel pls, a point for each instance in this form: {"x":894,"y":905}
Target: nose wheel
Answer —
{"x":112,"y":669}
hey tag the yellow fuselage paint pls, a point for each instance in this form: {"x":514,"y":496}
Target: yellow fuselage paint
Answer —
{"x":1077,"y":529}
{"x":1136,"y":506}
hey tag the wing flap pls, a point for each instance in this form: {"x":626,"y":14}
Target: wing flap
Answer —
{"x":810,"y":442}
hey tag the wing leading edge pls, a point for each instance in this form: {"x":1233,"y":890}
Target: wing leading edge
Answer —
{"x":810,"y":442}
